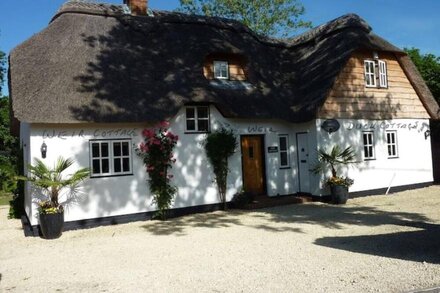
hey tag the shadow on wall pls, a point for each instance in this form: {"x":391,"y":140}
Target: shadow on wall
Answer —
{"x":107,"y":196}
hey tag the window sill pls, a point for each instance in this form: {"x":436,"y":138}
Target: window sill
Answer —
{"x":197,"y":132}
{"x":285,"y":168}
{"x":111,"y":175}
{"x":370,"y":159}
{"x":393,"y":158}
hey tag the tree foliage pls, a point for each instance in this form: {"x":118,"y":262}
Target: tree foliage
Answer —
{"x":219,"y":146}
{"x":267,"y":17}
{"x":429,"y":67}
{"x":2,"y":70}
{"x":53,"y":181}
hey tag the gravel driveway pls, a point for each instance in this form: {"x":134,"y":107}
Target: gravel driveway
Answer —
{"x":372,"y":244}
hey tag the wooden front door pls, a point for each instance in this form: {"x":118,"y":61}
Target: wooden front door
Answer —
{"x":252,"y":160}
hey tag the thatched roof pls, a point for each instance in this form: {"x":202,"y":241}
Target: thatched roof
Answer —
{"x":95,"y":63}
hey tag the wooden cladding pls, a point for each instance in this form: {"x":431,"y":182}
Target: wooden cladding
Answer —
{"x":236,"y":65}
{"x":350,"y":97}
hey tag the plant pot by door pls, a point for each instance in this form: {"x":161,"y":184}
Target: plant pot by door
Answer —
{"x":339,"y":194}
{"x":52,"y":225}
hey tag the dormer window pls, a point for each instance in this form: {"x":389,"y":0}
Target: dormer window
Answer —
{"x":375,"y":72}
{"x":370,"y":73}
{"x":225,"y":68}
{"x":221,"y":70}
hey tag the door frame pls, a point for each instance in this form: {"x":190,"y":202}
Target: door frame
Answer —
{"x":298,"y":159}
{"x":263,"y":158}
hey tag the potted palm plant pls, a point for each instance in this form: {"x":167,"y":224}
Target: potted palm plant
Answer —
{"x":52,"y":181}
{"x":338,"y":184}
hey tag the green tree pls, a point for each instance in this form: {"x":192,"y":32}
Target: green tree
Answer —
{"x":2,"y":70}
{"x":429,"y":67}
{"x":219,"y":146}
{"x":267,"y":17}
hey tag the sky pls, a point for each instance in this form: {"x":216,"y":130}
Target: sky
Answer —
{"x":404,"y":23}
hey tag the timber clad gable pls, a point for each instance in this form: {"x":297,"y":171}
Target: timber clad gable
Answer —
{"x":351,"y":98}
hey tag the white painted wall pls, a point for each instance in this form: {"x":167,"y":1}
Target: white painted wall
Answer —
{"x":112,"y":196}
{"x":414,"y":164}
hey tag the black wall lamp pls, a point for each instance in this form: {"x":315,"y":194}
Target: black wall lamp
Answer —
{"x":43,"y":150}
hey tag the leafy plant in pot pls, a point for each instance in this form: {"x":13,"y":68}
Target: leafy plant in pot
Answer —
{"x":52,"y":181}
{"x":335,"y":158}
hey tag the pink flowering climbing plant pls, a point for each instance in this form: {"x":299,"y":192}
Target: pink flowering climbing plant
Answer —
{"x":156,"y":151}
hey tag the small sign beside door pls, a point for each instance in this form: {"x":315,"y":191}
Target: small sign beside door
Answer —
{"x":272,"y":149}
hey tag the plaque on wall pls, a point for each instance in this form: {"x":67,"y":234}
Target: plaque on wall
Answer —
{"x":272,"y":149}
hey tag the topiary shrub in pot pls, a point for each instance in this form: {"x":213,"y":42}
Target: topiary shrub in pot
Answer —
{"x":335,"y":158}
{"x":51,"y":181}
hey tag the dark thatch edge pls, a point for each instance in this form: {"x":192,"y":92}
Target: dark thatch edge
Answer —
{"x":420,"y":86}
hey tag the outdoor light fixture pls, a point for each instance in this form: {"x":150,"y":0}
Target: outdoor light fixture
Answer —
{"x":375,"y":55}
{"x":43,"y":150}
{"x":330,"y":125}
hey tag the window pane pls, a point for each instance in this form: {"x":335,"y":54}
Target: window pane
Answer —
{"x":251,"y":152}
{"x":104,"y":149}
{"x":190,"y":124}
{"x":105,"y":166}
{"x":366,"y":152}
{"x":284,"y":161}
{"x":203,"y":125}
{"x":117,"y":149}
{"x":393,"y":149}
{"x":283,"y":143}
{"x":190,"y":113}
{"x":125,"y":150}
{"x":370,"y":151}
{"x":126,"y":165}
{"x":95,"y":150}
{"x":365,"y":139}
{"x":390,"y":152}
{"x":95,"y":167}
{"x":117,"y":165}
{"x":202,"y":112}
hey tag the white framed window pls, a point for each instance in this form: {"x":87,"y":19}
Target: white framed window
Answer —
{"x":368,"y":139}
{"x":197,"y":119}
{"x":370,"y":73}
{"x":110,"y":158}
{"x":221,"y":70}
{"x":284,"y":151}
{"x":383,"y":79}
{"x":392,"y":144}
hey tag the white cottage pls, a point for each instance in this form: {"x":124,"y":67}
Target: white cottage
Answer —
{"x":88,"y":84}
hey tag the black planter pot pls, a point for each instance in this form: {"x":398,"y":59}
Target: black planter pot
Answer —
{"x":339,"y":194}
{"x":52,"y":225}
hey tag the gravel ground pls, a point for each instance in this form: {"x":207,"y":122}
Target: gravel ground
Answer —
{"x":372,"y":244}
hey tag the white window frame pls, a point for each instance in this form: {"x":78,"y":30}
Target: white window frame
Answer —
{"x":286,"y":151}
{"x":218,"y":74}
{"x":368,"y":150}
{"x":383,"y":78}
{"x":368,"y":73}
{"x":110,"y":157}
{"x":391,"y":145}
{"x":196,"y":119}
